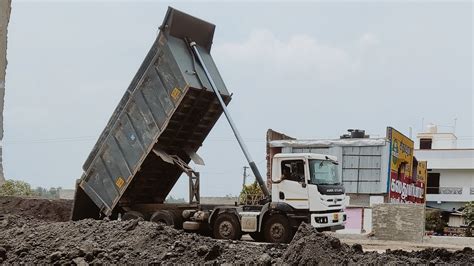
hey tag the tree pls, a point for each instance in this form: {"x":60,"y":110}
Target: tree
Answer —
{"x":435,"y":222}
{"x":15,"y":188}
{"x":468,"y":215}
{"x":251,"y":194}
{"x":172,"y":199}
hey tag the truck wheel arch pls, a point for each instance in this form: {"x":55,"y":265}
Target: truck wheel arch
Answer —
{"x":273,"y":208}
{"x":215,"y":213}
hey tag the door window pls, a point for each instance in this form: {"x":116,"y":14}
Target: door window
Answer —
{"x":292,"y":170}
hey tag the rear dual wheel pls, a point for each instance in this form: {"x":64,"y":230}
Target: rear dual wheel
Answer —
{"x":168,"y":217}
{"x":227,"y":226}
{"x":133,"y":215}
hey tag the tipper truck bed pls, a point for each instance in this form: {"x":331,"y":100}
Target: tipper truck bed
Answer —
{"x":167,"y":109}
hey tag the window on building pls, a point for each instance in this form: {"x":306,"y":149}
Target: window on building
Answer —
{"x":433,"y":183}
{"x":414,"y":173}
{"x":425,"y":144}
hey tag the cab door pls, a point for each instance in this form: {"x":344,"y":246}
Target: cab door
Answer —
{"x":292,"y":188}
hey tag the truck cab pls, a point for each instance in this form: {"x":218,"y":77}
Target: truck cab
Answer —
{"x":309,"y":182}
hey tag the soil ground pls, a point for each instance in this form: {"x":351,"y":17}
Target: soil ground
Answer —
{"x":37,"y":231}
{"x":382,"y":245}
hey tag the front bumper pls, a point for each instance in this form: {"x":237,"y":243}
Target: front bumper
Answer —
{"x":334,"y":219}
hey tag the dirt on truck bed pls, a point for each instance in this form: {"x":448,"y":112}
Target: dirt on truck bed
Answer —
{"x":40,"y":239}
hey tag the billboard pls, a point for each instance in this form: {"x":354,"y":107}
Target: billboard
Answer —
{"x":405,"y":184}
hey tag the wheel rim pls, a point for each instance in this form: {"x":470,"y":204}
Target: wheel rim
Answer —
{"x":225,"y":229}
{"x":277,"y":230}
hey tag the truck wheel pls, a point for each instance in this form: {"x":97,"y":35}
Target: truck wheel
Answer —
{"x":177,"y":218}
{"x":132,"y":215}
{"x":163,"y":216}
{"x":257,"y":236}
{"x":277,"y":229}
{"x":227,"y":226}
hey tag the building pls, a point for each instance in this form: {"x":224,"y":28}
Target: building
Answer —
{"x":450,"y":169}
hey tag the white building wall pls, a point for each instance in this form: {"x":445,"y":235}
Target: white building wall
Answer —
{"x":367,"y":220}
{"x":447,"y":159}
{"x":456,"y":187}
{"x":455,"y":178}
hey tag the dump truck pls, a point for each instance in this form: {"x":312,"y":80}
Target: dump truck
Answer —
{"x":169,"y":108}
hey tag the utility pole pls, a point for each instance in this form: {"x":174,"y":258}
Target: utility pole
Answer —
{"x":5,"y":8}
{"x":245,"y":175}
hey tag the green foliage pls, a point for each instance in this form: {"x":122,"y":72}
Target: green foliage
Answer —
{"x":468,"y":215}
{"x":250,"y":194}
{"x":51,"y":193}
{"x":21,"y":188}
{"x":172,"y":199}
{"x":434,"y":221}
{"x":15,"y":188}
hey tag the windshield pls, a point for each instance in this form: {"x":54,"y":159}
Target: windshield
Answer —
{"x":323,"y":172}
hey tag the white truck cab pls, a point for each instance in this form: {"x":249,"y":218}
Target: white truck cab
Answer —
{"x":305,"y":187}
{"x":310,"y":182}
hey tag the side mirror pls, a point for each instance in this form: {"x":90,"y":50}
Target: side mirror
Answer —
{"x":303,"y":184}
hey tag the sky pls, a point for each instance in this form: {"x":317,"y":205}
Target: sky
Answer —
{"x":308,"y":69}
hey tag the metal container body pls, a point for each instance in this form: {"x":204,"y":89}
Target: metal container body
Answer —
{"x":167,"y":106}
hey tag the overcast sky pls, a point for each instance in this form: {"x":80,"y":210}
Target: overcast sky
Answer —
{"x":310,"y":70}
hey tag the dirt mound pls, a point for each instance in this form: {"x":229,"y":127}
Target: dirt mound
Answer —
{"x":311,"y":247}
{"x":36,"y":208}
{"x":95,"y":241}
{"x":38,"y":231}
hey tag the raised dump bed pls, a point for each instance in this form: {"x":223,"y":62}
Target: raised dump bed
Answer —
{"x":169,"y":107}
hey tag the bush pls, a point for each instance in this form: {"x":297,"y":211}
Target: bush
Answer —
{"x":435,"y":222}
{"x":47,"y":193}
{"x":468,"y":215}
{"x":15,"y":188}
{"x":251,"y":194}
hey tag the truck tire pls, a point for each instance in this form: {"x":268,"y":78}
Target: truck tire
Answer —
{"x":257,"y":236}
{"x":277,"y":229}
{"x":177,"y":218}
{"x":227,"y":226}
{"x":163,"y":216}
{"x":133,"y":215}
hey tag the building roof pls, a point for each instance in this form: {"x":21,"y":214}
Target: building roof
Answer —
{"x":306,"y":155}
{"x":301,"y":143}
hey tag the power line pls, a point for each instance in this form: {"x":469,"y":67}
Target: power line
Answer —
{"x":90,"y":138}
